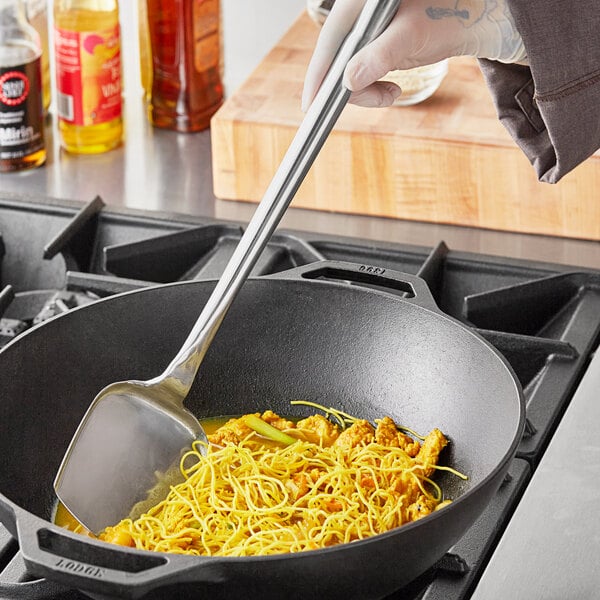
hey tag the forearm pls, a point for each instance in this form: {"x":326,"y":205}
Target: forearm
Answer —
{"x":552,"y":109}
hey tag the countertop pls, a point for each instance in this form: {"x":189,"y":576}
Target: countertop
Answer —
{"x":555,"y":532}
{"x":163,"y":170}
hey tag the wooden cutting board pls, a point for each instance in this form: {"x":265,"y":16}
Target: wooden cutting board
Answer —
{"x":446,"y":160}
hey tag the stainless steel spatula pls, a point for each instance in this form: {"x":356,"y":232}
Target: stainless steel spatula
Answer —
{"x":134,"y":430}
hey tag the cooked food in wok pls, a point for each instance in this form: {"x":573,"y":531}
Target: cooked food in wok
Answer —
{"x":269,"y":485}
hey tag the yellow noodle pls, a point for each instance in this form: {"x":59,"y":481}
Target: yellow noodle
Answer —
{"x":343,"y":419}
{"x":239,"y":500}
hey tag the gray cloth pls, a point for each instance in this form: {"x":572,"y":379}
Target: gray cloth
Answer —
{"x":552,"y":107}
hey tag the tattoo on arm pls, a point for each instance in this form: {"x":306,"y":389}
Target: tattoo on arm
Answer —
{"x":438,"y":12}
{"x":463,"y":14}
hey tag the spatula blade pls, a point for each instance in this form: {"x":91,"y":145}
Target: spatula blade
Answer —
{"x":121,"y":449}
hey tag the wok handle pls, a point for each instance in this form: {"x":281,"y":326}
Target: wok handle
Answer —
{"x":304,"y":148}
{"x":97,"y":567}
{"x":411,"y":287}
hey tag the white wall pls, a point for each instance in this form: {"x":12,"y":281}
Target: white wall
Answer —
{"x":252,"y":27}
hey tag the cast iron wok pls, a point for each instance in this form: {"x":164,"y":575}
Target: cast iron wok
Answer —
{"x":371,"y":351}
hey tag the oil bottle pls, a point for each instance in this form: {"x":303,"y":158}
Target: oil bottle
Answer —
{"x":37,"y":14}
{"x":186,"y":86}
{"x":87,"y":46}
{"x":145,"y":54}
{"x":21,"y":110}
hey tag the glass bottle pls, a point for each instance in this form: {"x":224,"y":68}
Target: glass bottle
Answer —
{"x":37,"y":14}
{"x":417,"y":84}
{"x":21,"y":110}
{"x":145,"y":54}
{"x":185,"y":45}
{"x":87,"y":46}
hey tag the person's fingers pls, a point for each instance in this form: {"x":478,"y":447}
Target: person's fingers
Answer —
{"x":377,"y":95}
{"x":336,"y":27}
{"x":400,"y":46}
{"x":366,"y":67}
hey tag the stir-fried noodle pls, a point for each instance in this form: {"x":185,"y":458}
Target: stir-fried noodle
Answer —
{"x":313,"y":485}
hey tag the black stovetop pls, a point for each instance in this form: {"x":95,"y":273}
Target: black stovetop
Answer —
{"x":544,"y":318}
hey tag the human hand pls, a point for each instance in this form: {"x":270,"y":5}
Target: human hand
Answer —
{"x":419,"y":34}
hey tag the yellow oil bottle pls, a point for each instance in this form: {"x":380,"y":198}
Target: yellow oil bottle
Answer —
{"x":87,"y":47}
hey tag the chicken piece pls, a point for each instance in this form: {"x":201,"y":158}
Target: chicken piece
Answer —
{"x":316,"y":474}
{"x":117,"y":535}
{"x":367,"y":482}
{"x":410,"y":446}
{"x":406,"y":484}
{"x":360,"y":432}
{"x":298,"y":485}
{"x":302,"y":482}
{"x":318,"y":430}
{"x":430,"y":450}
{"x":333,"y":505}
{"x":421,"y":508}
{"x":274,"y":419}
{"x":233,"y":432}
{"x":223,"y":436}
{"x":387,"y":434}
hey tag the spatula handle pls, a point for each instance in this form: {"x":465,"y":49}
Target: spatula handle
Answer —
{"x":312,"y":133}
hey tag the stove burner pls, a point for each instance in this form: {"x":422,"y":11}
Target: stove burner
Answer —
{"x":61,"y":302}
{"x":200,"y":253}
{"x":10,"y":329}
{"x":544,"y":319}
{"x":15,"y":582}
{"x":25,"y":309}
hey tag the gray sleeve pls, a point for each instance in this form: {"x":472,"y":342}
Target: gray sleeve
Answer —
{"x":552,"y":107}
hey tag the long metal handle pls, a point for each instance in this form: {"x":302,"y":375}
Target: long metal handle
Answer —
{"x":312,"y":133}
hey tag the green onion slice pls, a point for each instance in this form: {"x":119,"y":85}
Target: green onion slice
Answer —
{"x":272,"y":433}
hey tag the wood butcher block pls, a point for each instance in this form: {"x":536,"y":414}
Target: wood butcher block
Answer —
{"x":446,"y":160}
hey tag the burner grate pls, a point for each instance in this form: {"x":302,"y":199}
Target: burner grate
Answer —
{"x":200,"y":253}
{"x":531,"y":312}
{"x":16,"y":584}
{"x":545,"y":320}
{"x":457,"y":573}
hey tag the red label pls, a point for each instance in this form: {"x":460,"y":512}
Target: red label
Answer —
{"x":14,"y":87}
{"x":21,"y":111}
{"x":88,"y":76}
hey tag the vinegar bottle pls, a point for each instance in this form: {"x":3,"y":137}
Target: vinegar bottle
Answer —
{"x":185,"y":45}
{"x":21,"y":110}
{"x":37,"y":14}
{"x":87,"y":47}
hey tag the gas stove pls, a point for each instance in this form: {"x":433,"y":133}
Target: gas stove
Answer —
{"x":544,"y":318}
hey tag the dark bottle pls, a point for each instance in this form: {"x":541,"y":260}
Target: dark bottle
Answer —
{"x":21,"y":108}
{"x":185,"y":47}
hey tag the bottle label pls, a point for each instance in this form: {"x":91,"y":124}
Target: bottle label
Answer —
{"x":88,"y":75}
{"x":206,"y":34}
{"x":21,"y":111}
